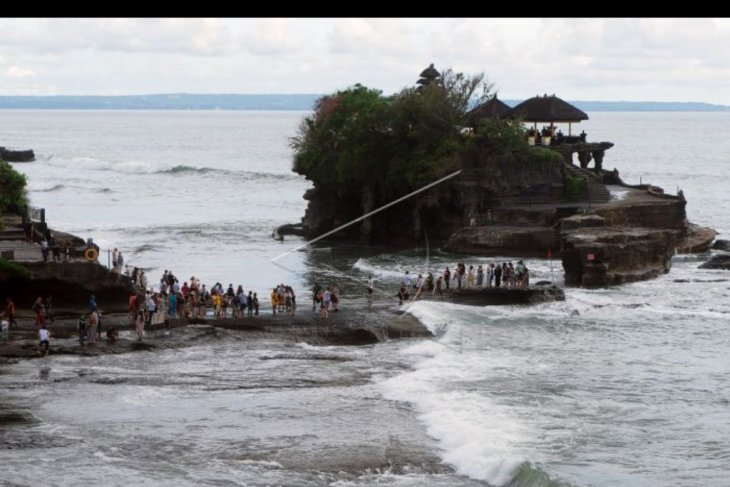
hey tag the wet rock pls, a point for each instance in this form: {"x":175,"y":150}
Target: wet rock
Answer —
{"x":723,"y":245}
{"x":719,"y":261}
{"x":605,"y":256}
{"x":697,"y":240}
{"x":17,"y":155}
{"x":503,"y":240}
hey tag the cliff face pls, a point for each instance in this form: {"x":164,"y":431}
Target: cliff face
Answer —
{"x":485,"y":180}
{"x":70,"y":284}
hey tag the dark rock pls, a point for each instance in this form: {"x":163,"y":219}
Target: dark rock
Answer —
{"x":657,"y":213}
{"x":718,"y":261}
{"x":503,"y":240}
{"x":70,"y":284}
{"x":291,"y":229}
{"x":582,"y":221}
{"x":16,"y":155}
{"x":604,"y":256}
{"x":697,"y":240}
{"x":723,"y":245}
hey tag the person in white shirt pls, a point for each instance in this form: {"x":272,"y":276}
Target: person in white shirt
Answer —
{"x":44,"y":336}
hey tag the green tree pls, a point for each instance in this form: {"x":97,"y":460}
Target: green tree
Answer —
{"x":13,"y":195}
{"x":358,"y":137}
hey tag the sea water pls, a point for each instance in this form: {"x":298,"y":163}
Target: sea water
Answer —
{"x":627,"y":386}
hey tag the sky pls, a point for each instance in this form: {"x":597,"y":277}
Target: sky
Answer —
{"x":577,"y":59}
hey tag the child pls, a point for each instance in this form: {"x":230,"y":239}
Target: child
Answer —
{"x":44,"y":336}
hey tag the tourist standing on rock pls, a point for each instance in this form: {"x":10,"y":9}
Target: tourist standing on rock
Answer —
{"x":55,"y":249}
{"x":115,"y":256}
{"x":48,"y":308}
{"x":447,"y":278}
{"x":28,"y":230}
{"x":139,"y":326}
{"x":93,"y":326}
{"x":480,"y":277}
{"x":255,"y":304}
{"x":437,"y":289}
{"x":406,"y":281}
{"x":10,"y":311}
{"x":150,"y":308}
{"x":497,"y":275}
{"x":81,"y":329}
{"x":334,"y":298}
{"x":44,"y":249}
{"x":324,"y":306}
{"x":249,"y":304}
{"x":120,"y":262}
{"x":44,"y":335}
{"x":315,"y":295}
{"x":172,"y":308}
{"x":38,"y":310}
{"x":490,"y":274}
{"x":470,"y":277}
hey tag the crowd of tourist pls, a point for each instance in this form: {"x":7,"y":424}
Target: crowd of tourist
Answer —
{"x":504,"y":275}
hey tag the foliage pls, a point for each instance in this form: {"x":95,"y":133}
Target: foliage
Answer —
{"x":359,"y":137}
{"x":506,"y":136}
{"x":12,"y":189}
{"x":546,"y":155}
{"x":575,"y":187}
{"x":13,"y":270}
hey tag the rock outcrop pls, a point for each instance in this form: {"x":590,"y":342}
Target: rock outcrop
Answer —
{"x":493,"y":240}
{"x":69,"y":283}
{"x":723,"y":245}
{"x":17,"y":155}
{"x":606,"y":256}
{"x":718,"y":261}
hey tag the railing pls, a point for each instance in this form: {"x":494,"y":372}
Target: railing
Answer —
{"x":36,"y":214}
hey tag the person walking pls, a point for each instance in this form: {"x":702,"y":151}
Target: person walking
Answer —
{"x":44,"y":335}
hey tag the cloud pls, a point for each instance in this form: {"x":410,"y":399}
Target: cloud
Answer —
{"x":673,"y":59}
{"x":19,"y":72}
{"x":186,"y":36}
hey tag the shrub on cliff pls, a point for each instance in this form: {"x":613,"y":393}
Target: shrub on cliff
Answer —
{"x":13,"y":270}
{"x":12,"y":189}
{"x":359,"y":137}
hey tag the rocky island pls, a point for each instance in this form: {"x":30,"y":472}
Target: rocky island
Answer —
{"x":507,"y":190}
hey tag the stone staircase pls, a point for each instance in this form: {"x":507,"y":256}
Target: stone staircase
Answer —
{"x":596,"y":190}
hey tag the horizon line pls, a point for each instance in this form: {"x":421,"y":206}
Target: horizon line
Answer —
{"x":323,"y":94}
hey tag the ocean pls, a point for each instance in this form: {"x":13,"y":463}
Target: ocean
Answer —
{"x":628,"y":386}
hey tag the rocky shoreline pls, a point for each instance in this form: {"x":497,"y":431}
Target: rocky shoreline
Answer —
{"x":357,"y":324}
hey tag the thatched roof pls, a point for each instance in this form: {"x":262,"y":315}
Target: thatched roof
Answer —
{"x":493,"y":108}
{"x":548,"y":109}
{"x":430,"y":72}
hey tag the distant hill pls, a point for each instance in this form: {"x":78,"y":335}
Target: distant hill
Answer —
{"x":185,"y":101}
{"x":181,"y":101}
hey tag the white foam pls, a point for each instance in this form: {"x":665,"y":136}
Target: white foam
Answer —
{"x":479,"y":437}
{"x":94,"y":164}
{"x":368,"y":268}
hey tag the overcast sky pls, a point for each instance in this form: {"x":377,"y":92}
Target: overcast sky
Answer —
{"x":589,"y":59}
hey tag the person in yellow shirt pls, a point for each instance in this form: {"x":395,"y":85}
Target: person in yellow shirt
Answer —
{"x":274,"y":300}
{"x":217,"y":304}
